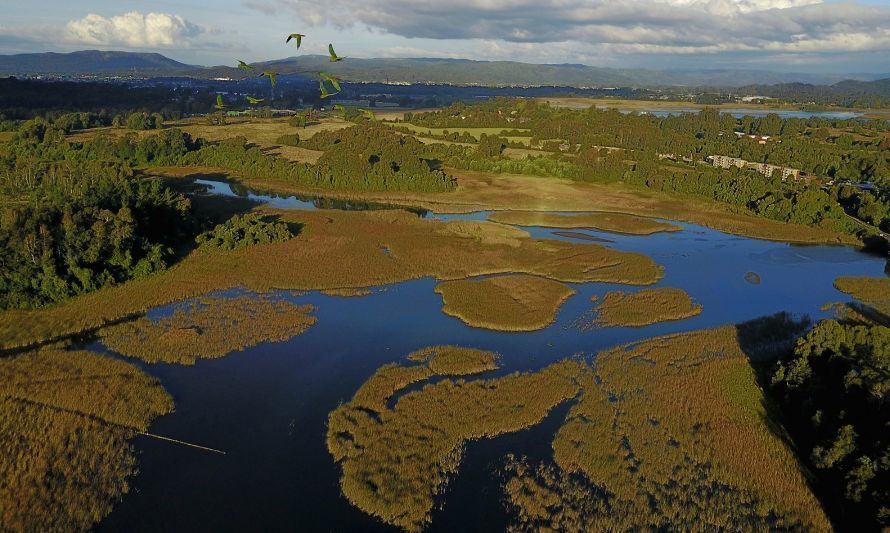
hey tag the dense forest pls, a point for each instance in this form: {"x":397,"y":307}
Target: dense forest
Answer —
{"x":78,"y":216}
{"x":26,"y":99}
{"x":76,"y":220}
{"x":833,"y":393}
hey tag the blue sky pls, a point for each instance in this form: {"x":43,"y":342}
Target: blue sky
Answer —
{"x":791,"y":35}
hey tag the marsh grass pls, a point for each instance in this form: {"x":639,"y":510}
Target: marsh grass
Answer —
{"x":504,"y":303}
{"x":874,"y":292}
{"x":397,"y":461}
{"x":347,"y":292}
{"x":334,"y":250}
{"x":612,"y":222}
{"x":65,"y":421}
{"x":209,"y":327}
{"x":638,"y":309}
{"x":672,"y":433}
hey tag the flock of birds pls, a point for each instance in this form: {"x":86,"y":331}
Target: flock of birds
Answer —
{"x":326,"y":79}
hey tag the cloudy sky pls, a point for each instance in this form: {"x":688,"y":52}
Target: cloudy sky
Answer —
{"x":850,"y":36}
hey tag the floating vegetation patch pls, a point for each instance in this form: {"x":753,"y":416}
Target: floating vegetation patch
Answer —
{"x":671,"y":433}
{"x":874,"y":292}
{"x":455,"y":360}
{"x":347,"y":292}
{"x":613,"y":222}
{"x":65,"y":421}
{"x":641,"y":308}
{"x":209,"y":327}
{"x":325,"y":255}
{"x":505,"y":303}
{"x":397,"y":460}
{"x":753,"y":278}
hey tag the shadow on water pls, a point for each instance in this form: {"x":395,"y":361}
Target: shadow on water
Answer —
{"x":477,"y":490}
{"x":216,"y":187}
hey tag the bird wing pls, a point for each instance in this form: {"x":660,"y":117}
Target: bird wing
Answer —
{"x":333,"y":54}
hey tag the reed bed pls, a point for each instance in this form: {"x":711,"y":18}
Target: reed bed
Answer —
{"x":396,"y":461}
{"x":613,"y":222}
{"x":335,"y":250}
{"x":65,"y":423}
{"x":874,"y":292}
{"x":671,"y":434}
{"x":638,"y":309}
{"x":504,"y":303}
{"x":209,"y":327}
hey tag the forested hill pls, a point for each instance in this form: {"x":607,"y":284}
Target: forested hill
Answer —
{"x":846,"y":92}
{"x":403,"y":70}
{"x":90,"y":62}
{"x":512,"y":73}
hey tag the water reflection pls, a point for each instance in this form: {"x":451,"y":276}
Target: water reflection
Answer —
{"x":233,"y":189}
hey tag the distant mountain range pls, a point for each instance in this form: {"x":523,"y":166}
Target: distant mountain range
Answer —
{"x":91,"y":62}
{"x":417,"y":70}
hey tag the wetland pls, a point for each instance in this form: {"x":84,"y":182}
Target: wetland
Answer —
{"x":376,"y":332}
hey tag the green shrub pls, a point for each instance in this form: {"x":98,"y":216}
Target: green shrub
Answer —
{"x":244,"y":230}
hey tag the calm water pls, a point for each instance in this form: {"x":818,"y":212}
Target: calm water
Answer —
{"x":267,"y":406}
{"x":740,"y":112}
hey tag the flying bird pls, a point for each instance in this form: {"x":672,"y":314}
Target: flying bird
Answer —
{"x":297,"y":36}
{"x":369,"y":114}
{"x":255,"y":101}
{"x":323,"y":89}
{"x":219,"y":102}
{"x":245,"y":67}
{"x":334,"y":56}
{"x":271,"y":75}
{"x":333,"y":80}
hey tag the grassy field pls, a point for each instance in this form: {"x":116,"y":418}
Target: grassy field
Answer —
{"x":504,"y":303}
{"x":335,"y":250}
{"x":613,"y":222}
{"x":672,"y":433}
{"x":475,"y":132}
{"x":265,"y":133}
{"x":65,"y":423}
{"x":209,"y":327}
{"x":641,"y":308}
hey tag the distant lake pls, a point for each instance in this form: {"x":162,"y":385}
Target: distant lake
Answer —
{"x":740,"y":112}
{"x":267,"y":406}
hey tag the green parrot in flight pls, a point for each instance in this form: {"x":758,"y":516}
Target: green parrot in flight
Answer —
{"x":333,"y":80}
{"x":255,"y":101}
{"x":334,"y":56}
{"x":297,"y":36}
{"x":271,"y":75}
{"x":369,"y":114}
{"x":324,"y":90}
{"x":245,"y":67}
{"x":219,"y":102}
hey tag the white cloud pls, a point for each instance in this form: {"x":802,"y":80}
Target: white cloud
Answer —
{"x":133,"y":29}
{"x":626,"y":26}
